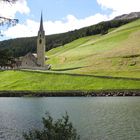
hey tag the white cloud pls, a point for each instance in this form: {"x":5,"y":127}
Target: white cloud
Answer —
{"x":120,"y":6}
{"x":9,"y":10}
{"x":30,"y":27}
{"x":22,"y":30}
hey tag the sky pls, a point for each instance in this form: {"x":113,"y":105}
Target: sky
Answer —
{"x":61,"y":15}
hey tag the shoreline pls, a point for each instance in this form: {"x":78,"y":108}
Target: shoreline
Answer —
{"x":99,"y":93}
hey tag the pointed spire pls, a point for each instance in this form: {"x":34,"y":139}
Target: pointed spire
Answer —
{"x":41,"y":23}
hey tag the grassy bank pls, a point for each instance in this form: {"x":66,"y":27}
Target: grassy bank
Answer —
{"x":39,"y":81}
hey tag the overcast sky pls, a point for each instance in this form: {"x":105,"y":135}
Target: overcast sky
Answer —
{"x":61,"y":15}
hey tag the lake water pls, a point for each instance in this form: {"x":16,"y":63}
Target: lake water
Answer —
{"x":95,"y":118}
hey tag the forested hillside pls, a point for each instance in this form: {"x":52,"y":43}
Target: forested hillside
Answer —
{"x":21,"y":46}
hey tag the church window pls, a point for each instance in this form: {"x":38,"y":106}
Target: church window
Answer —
{"x":40,"y":41}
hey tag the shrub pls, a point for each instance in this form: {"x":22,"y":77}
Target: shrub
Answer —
{"x":60,"y":129}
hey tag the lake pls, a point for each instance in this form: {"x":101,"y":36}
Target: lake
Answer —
{"x":95,"y":118}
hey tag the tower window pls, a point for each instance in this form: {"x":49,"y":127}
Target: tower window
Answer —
{"x":40,"y":41}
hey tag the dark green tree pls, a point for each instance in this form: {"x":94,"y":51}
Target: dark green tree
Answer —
{"x":6,"y":58}
{"x":61,"y":129}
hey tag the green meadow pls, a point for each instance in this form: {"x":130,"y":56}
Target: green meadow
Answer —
{"x":42,"y":81}
{"x":100,"y":62}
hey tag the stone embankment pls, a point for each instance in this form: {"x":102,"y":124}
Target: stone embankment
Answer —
{"x":106,"y":93}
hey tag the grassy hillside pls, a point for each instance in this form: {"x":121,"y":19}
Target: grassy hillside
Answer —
{"x":114,"y":54}
{"x":24,"y":80}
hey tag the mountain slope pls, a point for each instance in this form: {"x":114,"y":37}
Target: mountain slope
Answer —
{"x":128,"y":16}
{"x":114,"y":54}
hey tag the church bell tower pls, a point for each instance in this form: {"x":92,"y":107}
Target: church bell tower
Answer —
{"x":41,"y":45}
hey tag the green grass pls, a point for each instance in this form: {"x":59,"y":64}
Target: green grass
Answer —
{"x":39,"y":81}
{"x":116,"y":54}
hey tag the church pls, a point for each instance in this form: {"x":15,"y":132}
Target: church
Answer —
{"x":36,"y":61}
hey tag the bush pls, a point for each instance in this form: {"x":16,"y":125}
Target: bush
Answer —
{"x":60,"y":129}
